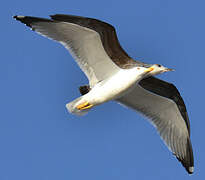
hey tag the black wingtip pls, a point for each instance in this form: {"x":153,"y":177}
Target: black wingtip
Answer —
{"x":190,"y":170}
{"x":23,"y":19}
{"x":188,"y":160}
{"x":29,"y":20}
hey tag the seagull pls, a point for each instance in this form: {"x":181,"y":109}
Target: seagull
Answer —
{"x":114,"y":75}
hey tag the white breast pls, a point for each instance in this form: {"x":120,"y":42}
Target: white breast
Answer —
{"x":115,"y":86}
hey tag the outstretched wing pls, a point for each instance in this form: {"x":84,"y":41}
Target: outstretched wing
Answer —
{"x":166,"y":115}
{"x":82,"y":42}
{"x":108,"y":37}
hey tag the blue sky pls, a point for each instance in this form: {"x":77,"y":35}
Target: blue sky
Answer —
{"x":41,"y":140}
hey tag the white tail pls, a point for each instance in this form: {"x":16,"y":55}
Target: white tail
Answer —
{"x":71,"y":106}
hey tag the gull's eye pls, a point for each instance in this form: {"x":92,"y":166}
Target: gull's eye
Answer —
{"x":158,"y":65}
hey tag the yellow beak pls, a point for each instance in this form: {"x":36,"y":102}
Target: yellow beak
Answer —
{"x":149,"y":69}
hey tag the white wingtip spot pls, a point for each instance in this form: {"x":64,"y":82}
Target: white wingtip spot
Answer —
{"x":20,"y":17}
{"x":191,"y":169}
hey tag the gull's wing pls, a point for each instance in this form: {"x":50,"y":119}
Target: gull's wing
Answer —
{"x":82,"y":42}
{"x":167,"y":90}
{"x":163,"y":105}
{"x":108,"y":37}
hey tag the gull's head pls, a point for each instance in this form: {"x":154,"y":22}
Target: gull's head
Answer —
{"x":157,"y":69}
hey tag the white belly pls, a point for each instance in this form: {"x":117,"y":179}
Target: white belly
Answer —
{"x":114,"y":87}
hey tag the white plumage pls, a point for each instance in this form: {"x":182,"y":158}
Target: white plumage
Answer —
{"x":114,"y":87}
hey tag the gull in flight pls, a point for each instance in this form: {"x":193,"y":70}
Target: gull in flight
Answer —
{"x":114,"y":75}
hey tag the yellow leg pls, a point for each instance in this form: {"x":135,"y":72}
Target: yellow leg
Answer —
{"x":85,"y":105}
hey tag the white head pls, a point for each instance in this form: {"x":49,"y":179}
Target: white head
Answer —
{"x":157,"y":69}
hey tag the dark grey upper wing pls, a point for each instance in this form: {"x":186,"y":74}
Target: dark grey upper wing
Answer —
{"x":163,"y":105}
{"x":108,"y":37}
